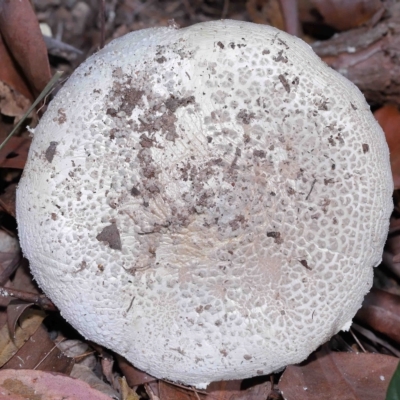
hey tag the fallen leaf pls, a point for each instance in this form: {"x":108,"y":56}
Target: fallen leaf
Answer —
{"x":85,"y":374}
{"x":14,"y":311}
{"x":7,"y":199}
{"x":388,"y":117}
{"x":12,"y":103}
{"x":11,"y":75}
{"x":328,"y":375}
{"x":126,"y":392}
{"x":347,"y":14}
{"x":40,"y":385}
{"x":41,"y":353}
{"x":20,"y":30}
{"x":15,"y":153}
{"x":262,"y":12}
{"x":223,"y":390}
{"x":134,"y":376}
{"x":29,"y":323}
{"x":168,"y":391}
{"x":381,"y":312}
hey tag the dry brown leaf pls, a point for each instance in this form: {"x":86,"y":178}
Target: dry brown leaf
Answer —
{"x":10,"y":74}
{"x":223,"y":390}
{"x":15,"y":153}
{"x":172,"y":392}
{"x":133,"y":376}
{"x":388,"y":117}
{"x":14,"y":311}
{"x":328,"y":375}
{"x":7,"y":199}
{"x":20,"y":30}
{"x":40,"y":353}
{"x":12,"y":103}
{"x":266,"y":12}
{"x":126,"y":392}
{"x":85,"y":374}
{"x":257,"y":392}
{"x":35,"y":385}
{"x":381,"y":312}
{"x":29,"y":323}
{"x":347,"y":14}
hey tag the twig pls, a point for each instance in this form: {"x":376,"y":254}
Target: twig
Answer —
{"x":44,"y":358}
{"x":225,"y":9}
{"x":189,"y":388}
{"x":38,"y":299}
{"x":312,"y":187}
{"x":371,"y":336}
{"x":44,"y":92}
{"x":291,"y":16}
{"x":358,"y":342}
{"x":102,"y":23}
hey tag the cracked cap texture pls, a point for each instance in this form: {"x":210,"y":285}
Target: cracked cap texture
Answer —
{"x":208,"y":202}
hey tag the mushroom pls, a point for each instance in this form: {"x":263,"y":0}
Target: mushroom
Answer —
{"x":208,"y":202}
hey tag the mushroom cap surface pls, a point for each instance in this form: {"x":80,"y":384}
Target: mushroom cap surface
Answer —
{"x":208,"y":202}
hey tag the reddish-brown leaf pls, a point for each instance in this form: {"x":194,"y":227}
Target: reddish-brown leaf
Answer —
{"x":30,"y":384}
{"x":172,"y":392}
{"x":224,"y":390}
{"x":347,"y":14}
{"x":14,"y":310}
{"x":15,"y":153}
{"x":388,"y":117}
{"x":7,"y":199}
{"x":133,"y":376}
{"x":20,"y":30}
{"x":230,"y":390}
{"x":40,"y":353}
{"x":381,"y":311}
{"x":10,"y":74}
{"x":328,"y":375}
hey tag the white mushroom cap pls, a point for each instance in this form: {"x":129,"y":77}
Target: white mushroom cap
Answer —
{"x":208,"y":202}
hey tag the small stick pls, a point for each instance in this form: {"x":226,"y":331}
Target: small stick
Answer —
{"x":225,"y":9}
{"x":38,"y":299}
{"x":44,"y":92}
{"x":102,"y":23}
{"x":312,"y":187}
{"x":358,"y":342}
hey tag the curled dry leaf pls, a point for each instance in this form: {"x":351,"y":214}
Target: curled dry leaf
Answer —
{"x":20,"y":30}
{"x":15,"y":309}
{"x":328,"y":375}
{"x":10,"y":75}
{"x":388,"y":117}
{"x":28,"y":324}
{"x":15,"y":97}
{"x":381,"y":311}
{"x":31,"y":384}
